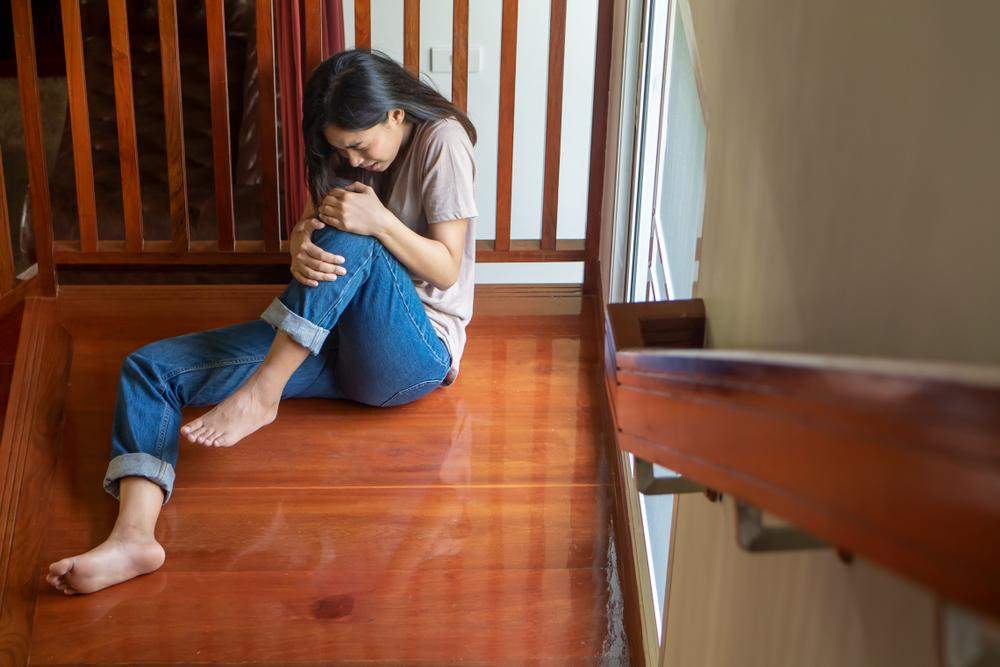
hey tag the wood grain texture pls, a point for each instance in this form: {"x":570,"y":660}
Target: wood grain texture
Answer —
{"x":411,"y":36}
{"x":268,"y":127}
{"x":6,"y":248}
{"x":174,"y":121}
{"x":253,"y":252}
{"x":553,"y":123}
{"x":598,"y":143}
{"x":505,"y":130}
{"x":917,"y":445}
{"x":362,"y":24}
{"x":221,"y":149}
{"x":128,"y":152}
{"x":460,"y":54}
{"x":79,"y":112}
{"x":28,"y":451}
{"x":34,"y":148}
{"x":471,"y":525}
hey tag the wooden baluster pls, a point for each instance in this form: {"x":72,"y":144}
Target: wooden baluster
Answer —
{"x":460,"y":54}
{"x":174,"y":120}
{"x":505,"y":132}
{"x":6,"y":248}
{"x":128,"y":154}
{"x":270,"y":210}
{"x":553,"y":123}
{"x":31,"y":119}
{"x":362,"y":24}
{"x":218,"y":74}
{"x":314,"y":35}
{"x":411,"y":36}
{"x":598,"y":137}
{"x":79,"y":113}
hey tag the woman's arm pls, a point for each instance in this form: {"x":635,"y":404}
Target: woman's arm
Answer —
{"x":437,"y":259}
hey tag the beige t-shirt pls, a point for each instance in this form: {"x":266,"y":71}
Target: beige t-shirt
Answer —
{"x":435,"y":183}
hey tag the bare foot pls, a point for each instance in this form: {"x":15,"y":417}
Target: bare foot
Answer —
{"x":116,"y":560}
{"x":250,"y":407}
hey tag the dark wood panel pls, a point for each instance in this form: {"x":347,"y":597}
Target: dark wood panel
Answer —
{"x":79,"y":112}
{"x":411,"y":36}
{"x":174,"y":121}
{"x":362,"y":24}
{"x":34,"y":148}
{"x":505,"y":131}
{"x":252,"y":252}
{"x":268,"y":127}
{"x":530,"y":250}
{"x":221,"y":149}
{"x":6,"y":248}
{"x":598,"y":143}
{"x":128,"y":152}
{"x":460,"y":54}
{"x":553,"y":123}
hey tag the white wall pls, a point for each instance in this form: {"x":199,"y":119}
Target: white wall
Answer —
{"x":851,"y":208}
{"x":529,"y":114}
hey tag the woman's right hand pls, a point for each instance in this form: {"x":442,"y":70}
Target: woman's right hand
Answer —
{"x":310,"y":263}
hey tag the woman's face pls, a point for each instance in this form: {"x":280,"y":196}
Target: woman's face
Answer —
{"x":375,"y":148}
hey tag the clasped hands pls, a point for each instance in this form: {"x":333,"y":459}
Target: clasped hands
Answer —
{"x":356,"y":209}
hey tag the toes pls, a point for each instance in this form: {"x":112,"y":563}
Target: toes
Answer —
{"x":192,"y":425}
{"x":206,"y":436}
{"x":220,"y":441}
{"x":195,"y":435}
{"x":61,"y":567}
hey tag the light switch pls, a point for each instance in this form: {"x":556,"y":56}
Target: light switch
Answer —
{"x":441,"y":59}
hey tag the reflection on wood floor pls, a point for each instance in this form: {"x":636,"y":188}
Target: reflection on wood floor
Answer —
{"x":469,"y":526}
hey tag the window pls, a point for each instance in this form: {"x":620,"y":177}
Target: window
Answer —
{"x":667,"y":206}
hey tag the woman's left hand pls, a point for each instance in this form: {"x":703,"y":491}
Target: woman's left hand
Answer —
{"x":356,"y":209}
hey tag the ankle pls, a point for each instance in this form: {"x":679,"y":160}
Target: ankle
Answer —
{"x":269,"y":385}
{"x":127,"y":533}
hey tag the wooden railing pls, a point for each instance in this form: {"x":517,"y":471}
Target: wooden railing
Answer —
{"x":270,"y":248}
{"x":895,"y":461}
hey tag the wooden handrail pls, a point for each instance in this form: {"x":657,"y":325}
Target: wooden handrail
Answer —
{"x":895,"y":461}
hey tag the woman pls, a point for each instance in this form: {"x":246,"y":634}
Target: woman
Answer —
{"x":376,"y":314}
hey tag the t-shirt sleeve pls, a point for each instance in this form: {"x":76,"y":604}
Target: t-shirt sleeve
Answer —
{"x":449,"y":174}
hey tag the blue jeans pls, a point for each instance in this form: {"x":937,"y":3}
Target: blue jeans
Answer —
{"x":368,"y":337}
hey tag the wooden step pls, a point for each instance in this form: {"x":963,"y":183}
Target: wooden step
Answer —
{"x":29,"y":449}
{"x":470,"y":526}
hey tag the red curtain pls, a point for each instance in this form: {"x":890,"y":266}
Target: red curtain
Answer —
{"x":290,"y":48}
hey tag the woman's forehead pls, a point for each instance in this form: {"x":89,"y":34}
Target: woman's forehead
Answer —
{"x":342,"y":138}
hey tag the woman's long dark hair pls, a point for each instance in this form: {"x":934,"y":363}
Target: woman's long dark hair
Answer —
{"x":355,"y":90}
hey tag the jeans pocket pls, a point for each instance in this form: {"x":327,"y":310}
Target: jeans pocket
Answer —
{"x":411,"y":393}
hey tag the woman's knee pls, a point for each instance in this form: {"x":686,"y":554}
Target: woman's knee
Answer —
{"x":340,"y":242}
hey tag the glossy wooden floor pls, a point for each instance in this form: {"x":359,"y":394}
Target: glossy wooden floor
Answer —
{"x":470,"y":526}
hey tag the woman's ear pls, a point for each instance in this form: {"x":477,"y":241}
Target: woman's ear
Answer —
{"x":397,"y":115}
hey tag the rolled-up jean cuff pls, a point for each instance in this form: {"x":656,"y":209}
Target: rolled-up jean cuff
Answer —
{"x":298,"y":328}
{"x":142,"y":465}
